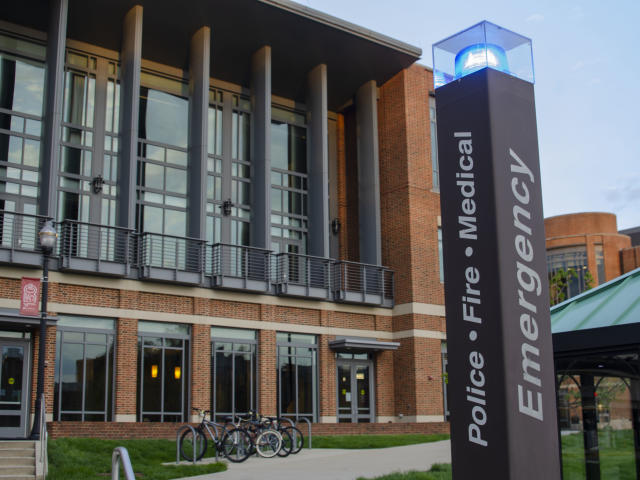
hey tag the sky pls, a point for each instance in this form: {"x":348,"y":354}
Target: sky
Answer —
{"x":587,"y":85}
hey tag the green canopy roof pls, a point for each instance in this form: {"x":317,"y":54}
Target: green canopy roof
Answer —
{"x":614,"y":303}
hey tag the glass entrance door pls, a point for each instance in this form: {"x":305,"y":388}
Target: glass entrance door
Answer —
{"x":14,"y":368}
{"x":354,"y":392}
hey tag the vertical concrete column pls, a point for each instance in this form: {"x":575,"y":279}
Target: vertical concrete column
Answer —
{"x":49,"y":370}
{"x":126,"y":370}
{"x":328,"y":410}
{"x":54,"y":88}
{"x":385,"y":404}
{"x":200,"y":368}
{"x":131,"y":59}
{"x":261,"y":148}
{"x":368,"y":173}
{"x":318,"y":155}
{"x":267,"y":373}
{"x":199,"y":59}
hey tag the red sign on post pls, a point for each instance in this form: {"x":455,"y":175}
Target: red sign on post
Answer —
{"x":29,"y":296}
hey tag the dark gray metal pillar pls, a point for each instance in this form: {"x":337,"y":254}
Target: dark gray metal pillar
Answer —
{"x":635,"y":418}
{"x":318,"y":154}
{"x":590,"y":427}
{"x":261,"y":148}
{"x":131,"y":56}
{"x":198,"y":115}
{"x":50,"y":157}
{"x":368,"y":173}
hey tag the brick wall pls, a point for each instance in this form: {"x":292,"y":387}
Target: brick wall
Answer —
{"x":201,"y":366}
{"x":326,"y":377}
{"x":267,"y":373}
{"x":49,"y":368}
{"x":630,"y":259}
{"x":126,"y":366}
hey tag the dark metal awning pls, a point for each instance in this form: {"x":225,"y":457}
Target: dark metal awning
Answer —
{"x":11,"y":319}
{"x":300,"y":38}
{"x":361,"y":345}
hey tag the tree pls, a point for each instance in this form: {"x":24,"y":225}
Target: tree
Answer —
{"x":559,"y":283}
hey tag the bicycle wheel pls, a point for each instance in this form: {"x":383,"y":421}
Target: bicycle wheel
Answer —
{"x":287,"y":443}
{"x":186,"y":444}
{"x":237,"y":445}
{"x":268,"y":443}
{"x":297,"y":439}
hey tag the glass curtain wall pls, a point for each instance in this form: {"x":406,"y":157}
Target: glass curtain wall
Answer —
{"x":233,"y":370}
{"x":89,"y":147}
{"x":240,"y":170}
{"x":297,"y":375}
{"x":84,"y":370}
{"x":162,"y":170}
{"x":215,"y":162}
{"x":22,"y":75}
{"x":289,"y":221}
{"x":163,"y":373}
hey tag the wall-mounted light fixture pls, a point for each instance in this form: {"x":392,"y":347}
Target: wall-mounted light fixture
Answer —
{"x":335,"y":226}
{"x":97,"y":184}
{"x":177,"y":373}
{"x":154,"y":371}
{"x":226,"y":207}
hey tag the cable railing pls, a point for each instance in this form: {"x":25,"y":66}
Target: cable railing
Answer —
{"x":363,"y":283}
{"x":171,"y":258}
{"x":92,"y":247}
{"x":237,"y":266}
{"x":303,"y":275}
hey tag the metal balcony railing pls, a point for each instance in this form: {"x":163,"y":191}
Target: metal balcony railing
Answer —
{"x":303,"y":275}
{"x":240,"y":267}
{"x":363,"y":283}
{"x":170,"y":258}
{"x":19,"y":242}
{"x":88,"y":247}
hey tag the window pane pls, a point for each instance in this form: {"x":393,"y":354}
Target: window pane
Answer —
{"x":153,"y":176}
{"x":163,"y":117}
{"x":72,"y":372}
{"x":152,"y":379}
{"x":305,"y":385}
{"x":222,"y":332}
{"x":243,"y":379}
{"x":96,"y":373}
{"x":223,"y":381}
{"x":22,"y":85}
{"x":176,"y":181}
{"x":174,"y":376}
{"x":175,"y":223}
{"x":287,"y":385}
{"x":161,"y":327}
{"x":152,"y":219}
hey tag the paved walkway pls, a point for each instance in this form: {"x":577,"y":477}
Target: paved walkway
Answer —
{"x":337,"y":464}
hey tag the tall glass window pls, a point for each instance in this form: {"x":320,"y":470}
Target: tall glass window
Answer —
{"x":84,"y":371}
{"x":289,"y":221}
{"x":435,"y":173}
{"x":233,"y":369}
{"x":21,"y":107}
{"x":215,"y":161}
{"x":440,"y":256}
{"x":240,"y":170}
{"x":297,"y":375}
{"x":163,"y":352}
{"x":573,"y":261}
{"x":600,"y":264}
{"x":162,"y":156}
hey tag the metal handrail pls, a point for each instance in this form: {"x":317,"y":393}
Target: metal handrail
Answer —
{"x":121,"y":454}
{"x":43,"y":437}
{"x":195,"y":437}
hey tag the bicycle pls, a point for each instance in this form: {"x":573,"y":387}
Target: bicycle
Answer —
{"x":235,"y":444}
{"x":268,"y":441}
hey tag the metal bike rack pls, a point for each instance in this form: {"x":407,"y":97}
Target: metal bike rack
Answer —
{"x":195,"y":436}
{"x":308,"y":425}
{"x":121,"y":454}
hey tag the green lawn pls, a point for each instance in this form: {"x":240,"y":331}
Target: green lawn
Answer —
{"x":437,"y":472}
{"x":372,"y":441}
{"x":90,"y":459}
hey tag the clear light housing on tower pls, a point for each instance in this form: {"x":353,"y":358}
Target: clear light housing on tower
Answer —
{"x":484,"y":45}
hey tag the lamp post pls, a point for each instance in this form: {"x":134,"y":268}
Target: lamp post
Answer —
{"x":48,"y":237}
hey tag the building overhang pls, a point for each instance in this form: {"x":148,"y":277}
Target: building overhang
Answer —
{"x":12,"y":320}
{"x":300,"y":39}
{"x":346,"y":345}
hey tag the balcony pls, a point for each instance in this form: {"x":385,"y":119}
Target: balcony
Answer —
{"x":92,"y":248}
{"x":240,"y":268}
{"x":303,"y":276}
{"x":170,"y":259}
{"x":19,"y":243}
{"x":362,"y":283}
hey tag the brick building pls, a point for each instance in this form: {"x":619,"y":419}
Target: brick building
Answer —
{"x":247,"y":204}
{"x":591,"y":245}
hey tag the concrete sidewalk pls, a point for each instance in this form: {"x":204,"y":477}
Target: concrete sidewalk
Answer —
{"x":337,"y":464}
